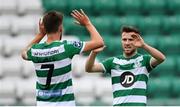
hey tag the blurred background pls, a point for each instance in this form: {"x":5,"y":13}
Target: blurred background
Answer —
{"x":158,"y":21}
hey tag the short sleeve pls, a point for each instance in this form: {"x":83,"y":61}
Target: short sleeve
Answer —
{"x":147,"y":59}
{"x":107,"y":65}
{"x":29,"y":55}
{"x":75,"y":47}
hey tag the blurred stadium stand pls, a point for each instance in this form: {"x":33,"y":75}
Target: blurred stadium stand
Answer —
{"x":158,"y":21}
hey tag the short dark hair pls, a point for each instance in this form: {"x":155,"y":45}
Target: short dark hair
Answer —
{"x":129,"y":29}
{"x":52,"y":20}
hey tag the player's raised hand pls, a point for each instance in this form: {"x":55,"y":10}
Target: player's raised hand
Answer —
{"x":80,"y":17}
{"x":41,"y":28}
{"x":138,"y":41}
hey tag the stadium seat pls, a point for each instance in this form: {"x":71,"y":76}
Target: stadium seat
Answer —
{"x":160,"y":102}
{"x":151,"y":39}
{"x":84,"y":93}
{"x":151,"y":24}
{"x":1,"y":46}
{"x":173,"y":6}
{"x":25,"y":25}
{"x":175,"y":88}
{"x":99,"y":102}
{"x":113,"y":46}
{"x":70,"y":28}
{"x":28,"y":69}
{"x":159,"y":87}
{"x":103,"y":89}
{"x":8,"y":7}
{"x":167,"y":68}
{"x":58,"y":5}
{"x":177,"y":65}
{"x":1,"y":70}
{"x":7,"y":47}
{"x":12,"y":66}
{"x":5,"y":25}
{"x":129,"y":7}
{"x":154,"y":7}
{"x":29,"y":7}
{"x":78,"y":65}
{"x":170,"y":44}
{"x":103,"y":24}
{"x":80,"y":4}
{"x":171,"y":24}
{"x":104,"y":7}
{"x":118,"y":22}
{"x":7,"y":92}
{"x":172,"y":102}
{"x":26,"y":93}
{"x":18,"y":44}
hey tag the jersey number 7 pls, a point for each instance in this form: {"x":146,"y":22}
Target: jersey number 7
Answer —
{"x":50,"y":72}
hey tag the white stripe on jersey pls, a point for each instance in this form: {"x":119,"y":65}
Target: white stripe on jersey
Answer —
{"x":47,"y":52}
{"x":125,"y":62}
{"x":68,"y":90}
{"x":130,"y":99}
{"x":136,"y":71}
{"x":55,"y":79}
{"x":104,"y":70}
{"x":138,"y":84}
{"x":64,"y":103}
{"x":57,"y":64}
{"x":82,"y":49}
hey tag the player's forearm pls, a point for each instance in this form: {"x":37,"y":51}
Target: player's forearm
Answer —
{"x":37,"y":39}
{"x":154,"y":53}
{"x":90,"y":62}
{"x":95,"y":36}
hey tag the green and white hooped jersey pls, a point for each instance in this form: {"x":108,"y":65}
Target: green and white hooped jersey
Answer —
{"x":129,"y":79}
{"x":53,"y":69}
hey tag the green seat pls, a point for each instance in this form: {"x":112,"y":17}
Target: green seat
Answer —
{"x":118,"y":22}
{"x":99,"y":102}
{"x":159,"y":87}
{"x":129,"y":6}
{"x":86,"y":5}
{"x":151,"y":25}
{"x":83,"y":37}
{"x":173,"y":6}
{"x":104,"y":7}
{"x":103,"y":24}
{"x":171,"y":24}
{"x":151,"y":39}
{"x":161,"y":102}
{"x":55,"y":5}
{"x":167,"y":68}
{"x":177,"y":65}
{"x":70,"y":28}
{"x":175,"y":87}
{"x":154,"y":7}
{"x":170,"y":44}
{"x":113,"y":45}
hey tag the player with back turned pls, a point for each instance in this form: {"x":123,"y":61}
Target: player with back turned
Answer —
{"x":52,"y":59}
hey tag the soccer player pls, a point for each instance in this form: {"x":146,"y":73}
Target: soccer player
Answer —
{"x":52,"y":59}
{"x":130,"y":71}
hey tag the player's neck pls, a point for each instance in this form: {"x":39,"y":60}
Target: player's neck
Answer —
{"x":52,"y":37}
{"x":129,"y":55}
